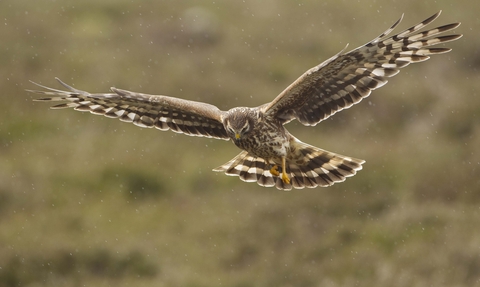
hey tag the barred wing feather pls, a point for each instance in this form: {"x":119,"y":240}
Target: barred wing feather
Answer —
{"x":345,"y":79}
{"x":148,"y":111}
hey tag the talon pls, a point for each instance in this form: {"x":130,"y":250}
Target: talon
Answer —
{"x":274,"y":170}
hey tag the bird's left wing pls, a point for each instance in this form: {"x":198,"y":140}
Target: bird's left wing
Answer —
{"x":148,"y":111}
{"x":345,"y":79}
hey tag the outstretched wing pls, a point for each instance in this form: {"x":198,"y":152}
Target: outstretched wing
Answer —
{"x":345,"y":79}
{"x":147,"y":111}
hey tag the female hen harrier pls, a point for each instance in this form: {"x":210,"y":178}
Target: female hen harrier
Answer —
{"x":270,"y":155}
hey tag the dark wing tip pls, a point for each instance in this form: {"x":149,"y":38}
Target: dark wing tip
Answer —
{"x":68,"y":87}
{"x":432,"y":18}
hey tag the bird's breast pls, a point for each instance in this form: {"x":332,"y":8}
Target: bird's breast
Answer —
{"x":265,"y":141}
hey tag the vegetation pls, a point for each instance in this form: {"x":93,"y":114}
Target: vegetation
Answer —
{"x":90,"y":201}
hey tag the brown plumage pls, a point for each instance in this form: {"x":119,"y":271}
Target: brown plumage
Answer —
{"x":271,"y":156}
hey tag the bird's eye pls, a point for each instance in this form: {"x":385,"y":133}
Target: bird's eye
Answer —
{"x":245,"y":128}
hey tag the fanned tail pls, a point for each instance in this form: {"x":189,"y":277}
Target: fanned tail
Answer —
{"x":315,"y":167}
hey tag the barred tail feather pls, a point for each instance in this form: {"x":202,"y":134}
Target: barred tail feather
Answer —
{"x":317,"y":168}
{"x":249,"y":169}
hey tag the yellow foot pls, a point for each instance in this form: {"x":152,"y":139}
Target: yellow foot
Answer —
{"x":274,"y":170}
{"x":285,"y":178}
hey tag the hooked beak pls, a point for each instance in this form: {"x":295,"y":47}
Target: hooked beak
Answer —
{"x":237,"y":136}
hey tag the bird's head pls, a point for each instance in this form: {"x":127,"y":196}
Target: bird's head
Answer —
{"x":238,"y":123}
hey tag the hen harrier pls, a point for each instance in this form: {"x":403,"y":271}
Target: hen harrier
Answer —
{"x":270,"y":155}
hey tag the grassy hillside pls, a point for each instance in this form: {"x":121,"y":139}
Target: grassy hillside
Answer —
{"x":91,"y":201}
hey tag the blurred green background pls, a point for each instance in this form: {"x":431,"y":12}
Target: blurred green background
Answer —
{"x":91,"y":201}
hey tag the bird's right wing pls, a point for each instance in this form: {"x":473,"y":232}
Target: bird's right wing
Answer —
{"x":147,"y":111}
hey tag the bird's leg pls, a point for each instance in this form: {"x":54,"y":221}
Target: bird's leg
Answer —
{"x":285,"y":178}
